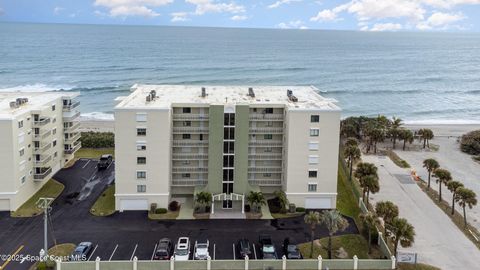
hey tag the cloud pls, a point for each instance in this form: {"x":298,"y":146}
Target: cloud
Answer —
{"x":238,"y":18}
{"x":282,"y":2}
{"x":207,"y":6}
{"x":125,"y":8}
{"x":324,"y":15}
{"x":440,"y":20}
{"x":179,"y":16}
{"x":298,"y":24}
{"x":384,"y":27}
{"x":57,"y":10}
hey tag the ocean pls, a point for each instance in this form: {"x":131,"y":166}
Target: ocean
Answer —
{"x":419,"y":77}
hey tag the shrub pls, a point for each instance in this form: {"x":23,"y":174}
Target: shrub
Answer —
{"x":97,"y":139}
{"x":300,"y":209}
{"x":173,"y":206}
{"x":470,"y":143}
{"x":275,"y":205}
{"x":160,"y":211}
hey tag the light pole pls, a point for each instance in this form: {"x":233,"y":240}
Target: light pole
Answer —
{"x":44,"y":203}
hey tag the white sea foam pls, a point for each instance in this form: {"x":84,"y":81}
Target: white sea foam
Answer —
{"x":36,"y":87}
{"x":96,"y":116}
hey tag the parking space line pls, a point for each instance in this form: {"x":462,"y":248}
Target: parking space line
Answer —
{"x":86,"y":164}
{"x":234,"y":252}
{"x":254,"y":251}
{"x":109,"y":165}
{"x":133,"y":254}
{"x":10,"y":257}
{"x":214,"y":251}
{"x":92,"y":252}
{"x":153,"y":253}
{"x":115,"y":249}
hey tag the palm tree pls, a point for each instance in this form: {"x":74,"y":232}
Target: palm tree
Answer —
{"x":369,"y":184}
{"x":426,"y":135}
{"x":333,"y":220}
{"x":256,"y":199}
{"x":351,"y":141}
{"x":203,"y":198}
{"x":395,"y":129}
{"x":312,"y":219}
{"x":352,"y":153}
{"x":387,"y":210}
{"x":443,"y":177}
{"x":407,"y":136}
{"x":431,"y":165}
{"x":453,"y":186}
{"x":371,"y":221}
{"x":282,"y":198}
{"x":363,"y":170}
{"x":466,"y":197}
{"x":401,"y":232}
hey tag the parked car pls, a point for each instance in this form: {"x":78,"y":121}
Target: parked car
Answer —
{"x":244,"y":248}
{"x":182,"y":249}
{"x":104,"y":162}
{"x":267,"y":249}
{"x":81,"y":252}
{"x":164,"y":249}
{"x":201,"y":249}
{"x":293,"y":252}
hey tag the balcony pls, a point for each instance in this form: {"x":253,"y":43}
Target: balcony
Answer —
{"x":41,"y":122}
{"x":44,"y":133}
{"x":266,"y":130}
{"x":266,"y":117}
{"x":263,"y":143}
{"x":189,"y":170}
{"x":71,"y":106}
{"x":190,"y":130}
{"x":265,"y":182}
{"x":191,"y":143}
{"x":265,"y":169}
{"x":68,"y":117}
{"x":187,"y":116}
{"x":189,"y":182}
{"x":42,"y":175}
{"x":72,"y":139}
{"x":42,"y":148}
{"x":272,"y":156}
{"x":183,"y":156}
{"x":73,"y":128}
{"x":43,"y":161}
{"x":74,"y":149}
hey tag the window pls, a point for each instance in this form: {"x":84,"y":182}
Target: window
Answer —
{"x":141,"y":117}
{"x":313,"y":159}
{"x":23,"y":179}
{"x":269,"y":124}
{"x":141,"y":132}
{"x":269,"y":110}
{"x":187,"y":123}
{"x":141,"y":174}
{"x":185,"y":162}
{"x":312,"y":174}
{"x":312,"y":146}
{"x":141,"y":188}
{"x":185,"y":175}
{"x":54,"y":143}
{"x":228,"y":161}
{"x":314,"y":132}
{"x":267,"y":175}
{"x":53,"y":108}
{"x":141,"y":160}
{"x":315,"y":118}
{"x":186,"y":136}
{"x":22,"y":152}
{"x":54,"y":131}
{"x":55,"y":154}
{"x":20,"y":124}
{"x":187,"y":110}
{"x":228,"y":147}
{"x":268,"y":136}
{"x":312,"y":187}
{"x":21,"y":138}
{"x":229,"y":119}
{"x":268,"y":150}
{"x":141,"y":146}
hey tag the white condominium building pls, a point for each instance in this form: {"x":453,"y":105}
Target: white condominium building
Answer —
{"x":38,"y":136}
{"x":173,"y":141}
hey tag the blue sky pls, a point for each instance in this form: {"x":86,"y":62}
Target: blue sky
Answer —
{"x":364,"y":15}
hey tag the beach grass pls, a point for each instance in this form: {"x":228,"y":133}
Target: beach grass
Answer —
{"x":397,"y":160}
{"x":51,"y":189}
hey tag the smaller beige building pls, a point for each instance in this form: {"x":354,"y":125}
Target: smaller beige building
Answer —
{"x":38,"y":135}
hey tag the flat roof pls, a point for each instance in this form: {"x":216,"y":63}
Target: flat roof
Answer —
{"x":36,"y":101}
{"x":168,"y":95}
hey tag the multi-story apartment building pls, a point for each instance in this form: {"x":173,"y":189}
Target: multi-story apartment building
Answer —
{"x":173,"y":141}
{"x":38,"y":136}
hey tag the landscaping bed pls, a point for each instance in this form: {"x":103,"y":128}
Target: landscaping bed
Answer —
{"x":51,"y":189}
{"x":352,"y":244}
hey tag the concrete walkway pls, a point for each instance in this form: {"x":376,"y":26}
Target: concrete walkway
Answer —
{"x":438,"y":241}
{"x":266,"y":212}
{"x":186,"y":209}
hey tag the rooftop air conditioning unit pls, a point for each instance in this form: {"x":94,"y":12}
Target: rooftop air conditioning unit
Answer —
{"x":250,"y":92}
{"x":149,"y":98}
{"x":291,"y":96}
{"x":204,"y":92}
{"x":13,"y":104}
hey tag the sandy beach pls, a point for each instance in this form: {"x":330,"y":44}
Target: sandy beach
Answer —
{"x":97,"y":125}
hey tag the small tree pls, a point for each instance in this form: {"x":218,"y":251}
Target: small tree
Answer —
{"x":282,"y":198}
{"x":371,"y":221}
{"x":351,"y":141}
{"x":387,"y":210}
{"x":352,"y":153}
{"x":333,"y":220}
{"x":401,"y":232}
{"x":453,"y":186}
{"x":256,"y":199}
{"x":407,"y":136}
{"x":203,"y":199}
{"x":466,"y":197}
{"x":443,"y":177}
{"x":395,"y":130}
{"x":431,"y":165}
{"x":426,"y":135}
{"x":312,"y":219}
{"x":369,"y":184}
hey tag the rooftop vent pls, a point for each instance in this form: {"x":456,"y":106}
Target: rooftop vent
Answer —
{"x":14,"y":105}
{"x":290,"y":96}
{"x":204,"y":92}
{"x":151,"y":96}
{"x":250,"y":92}
{"x":18,"y":102}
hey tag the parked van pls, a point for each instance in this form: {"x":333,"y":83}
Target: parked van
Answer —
{"x":182,"y":249}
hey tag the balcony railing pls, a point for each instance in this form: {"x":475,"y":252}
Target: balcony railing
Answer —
{"x":190,"y":130}
{"x":267,"y":130}
{"x":187,"y":116}
{"x":266,"y":117}
{"x":42,"y":148}
{"x":70,"y":118}
{"x":189,"y":169}
{"x":41,"y":122}
{"x":43,"y":161}
{"x":273,"y":156}
{"x":189,"y":182}
{"x":265,"y":182}
{"x":73,"y":149}
{"x":75,"y":125}
{"x":262,"y":143}
{"x":265,"y":169}
{"x":71,"y":106}
{"x":42,"y":175}
{"x":189,"y":156}
{"x":72,"y":139}
{"x":44,"y":133}
{"x":182,"y":143}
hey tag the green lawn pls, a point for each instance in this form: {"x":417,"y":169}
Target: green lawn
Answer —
{"x":353,"y":244}
{"x":105,"y":204}
{"x":61,"y":250}
{"x":51,"y":189}
{"x":94,"y":152}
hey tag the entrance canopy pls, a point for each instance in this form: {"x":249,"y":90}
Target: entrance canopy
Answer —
{"x":228,"y":197}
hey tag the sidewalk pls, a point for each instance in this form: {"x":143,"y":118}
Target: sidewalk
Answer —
{"x":186,"y":209}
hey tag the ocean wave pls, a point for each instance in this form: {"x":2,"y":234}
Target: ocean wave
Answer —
{"x":348,"y":91}
{"x":37,"y":87}
{"x":96,"y":116}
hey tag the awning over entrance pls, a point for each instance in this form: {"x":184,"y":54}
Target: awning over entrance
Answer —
{"x":228,"y":197}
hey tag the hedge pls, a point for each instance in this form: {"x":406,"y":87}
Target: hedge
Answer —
{"x":470,"y":143}
{"x":97,"y":139}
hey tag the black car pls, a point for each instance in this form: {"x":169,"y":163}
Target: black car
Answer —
{"x":164,"y":249}
{"x":267,"y":248}
{"x":105,"y":161}
{"x":244,"y":248}
{"x":81,"y":252}
{"x":293,"y":252}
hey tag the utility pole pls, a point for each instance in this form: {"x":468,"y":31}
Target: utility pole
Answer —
{"x":44,"y":203}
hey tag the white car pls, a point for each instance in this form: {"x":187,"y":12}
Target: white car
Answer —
{"x":201,"y":250}
{"x":182,"y":249}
